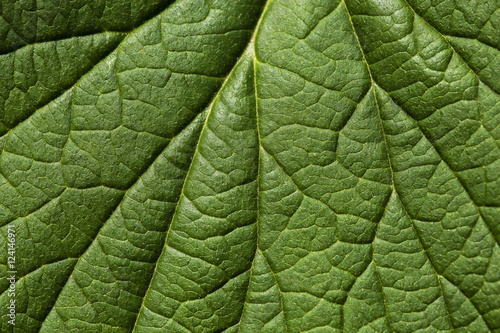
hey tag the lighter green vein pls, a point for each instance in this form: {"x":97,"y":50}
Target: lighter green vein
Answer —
{"x":388,"y":157}
{"x":106,"y":55}
{"x":471,"y":68}
{"x":19,"y":278}
{"x":188,"y":175}
{"x":121,"y":200}
{"x":61,"y":39}
{"x":38,"y":108}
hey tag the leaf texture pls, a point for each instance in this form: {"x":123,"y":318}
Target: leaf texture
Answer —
{"x":251,"y":165}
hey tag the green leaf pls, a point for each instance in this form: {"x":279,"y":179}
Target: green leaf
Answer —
{"x":250,"y":165}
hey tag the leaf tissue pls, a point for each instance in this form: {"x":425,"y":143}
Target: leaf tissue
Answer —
{"x":250,"y":166}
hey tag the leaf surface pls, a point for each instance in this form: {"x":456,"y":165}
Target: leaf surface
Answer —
{"x":251,"y":165}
